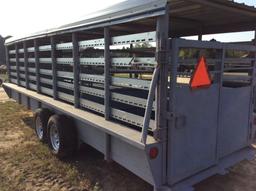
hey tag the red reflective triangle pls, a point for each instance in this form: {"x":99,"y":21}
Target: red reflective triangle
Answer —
{"x":201,"y":77}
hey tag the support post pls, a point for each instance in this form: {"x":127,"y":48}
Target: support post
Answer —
{"x":8,"y":63}
{"x":37,"y":66}
{"x":162,"y":59}
{"x":200,"y":37}
{"x":26,"y":64}
{"x":76,"y":70}
{"x":17,"y":64}
{"x":54,"y":67}
{"x":162,"y":48}
{"x":107,"y":148}
{"x":219,"y":79}
{"x":107,"y":73}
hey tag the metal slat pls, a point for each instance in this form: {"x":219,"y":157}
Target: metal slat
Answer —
{"x":46,"y":81}
{"x":23,"y":76}
{"x":12,"y":52}
{"x":32,"y":86}
{"x":132,"y":83}
{"x":92,"y":78}
{"x":21,"y":50}
{"x":62,"y":74}
{"x":92,"y":105}
{"x":65,"y":85}
{"x":31,"y":60}
{"x":13,"y":67}
{"x":31,"y":49}
{"x":134,"y":38}
{"x":91,"y":43}
{"x":32,"y":70}
{"x":46,"y":91}
{"x":239,"y":60}
{"x":45,"y":72}
{"x":64,"y":46}
{"x":45,"y":60}
{"x":130,"y":118}
{"x":12,"y":59}
{"x":66,"y":97}
{"x":32,"y":78}
{"x":121,"y":40}
{"x":22,"y":83}
{"x":14,"y":74}
{"x":124,"y":82}
{"x":130,"y":100}
{"x":117,"y":62}
{"x":14,"y":81}
{"x":21,"y":59}
{"x":68,"y":61}
{"x":45,"y":48}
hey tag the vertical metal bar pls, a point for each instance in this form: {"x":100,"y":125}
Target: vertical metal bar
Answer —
{"x":107,"y":73}
{"x":172,"y":101}
{"x":200,"y":37}
{"x":54,"y":67}
{"x":17,"y":64}
{"x":252,"y":99}
{"x":26,"y":64}
{"x":162,"y":60}
{"x":162,"y":48}
{"x":37,"y":66}
{"x":8,"y":63}
{"x":107,"y":147}
{"x":131,"y":55}
{"x":220,"y":82}
{"x":76,"y":70}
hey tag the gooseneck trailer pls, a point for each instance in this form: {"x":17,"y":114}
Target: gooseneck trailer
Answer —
{"x":123,"y":80}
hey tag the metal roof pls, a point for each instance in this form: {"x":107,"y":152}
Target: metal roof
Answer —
{"x":192,"y":17}
{"x":187,"y":17}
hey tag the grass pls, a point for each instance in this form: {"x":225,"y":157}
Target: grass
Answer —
{"x":27,"y":164}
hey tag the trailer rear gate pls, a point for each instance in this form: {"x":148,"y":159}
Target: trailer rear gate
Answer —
{"x":91,"y":71}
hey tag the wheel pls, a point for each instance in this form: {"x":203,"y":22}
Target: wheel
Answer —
{"x":41,"y":117}
{"x":62,"y":136}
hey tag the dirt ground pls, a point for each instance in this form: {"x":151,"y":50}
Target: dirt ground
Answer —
{"x":27,"y":165}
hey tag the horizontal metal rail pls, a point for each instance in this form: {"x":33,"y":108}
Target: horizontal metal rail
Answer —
{"x":118,"y":40}
{"x":46,"y":91}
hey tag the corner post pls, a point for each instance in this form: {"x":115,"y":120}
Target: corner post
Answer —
{"x":76,"y":70}
{"x":107,"y":73}
{"x":54,"y":67}
{"x":17,"y":64}
{"x":26,"y":63}
{"x":37,"y":65}
{"x":162,"y":49}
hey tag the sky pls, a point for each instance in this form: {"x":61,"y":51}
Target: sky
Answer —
{"x":21,"y":17}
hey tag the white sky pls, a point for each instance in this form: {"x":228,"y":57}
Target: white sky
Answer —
{"x":20,"y":17}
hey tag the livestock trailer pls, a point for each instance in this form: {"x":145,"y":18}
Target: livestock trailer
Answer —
{"x":123,"y":80}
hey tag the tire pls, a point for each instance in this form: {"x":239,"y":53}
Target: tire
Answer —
{"x":41,"y":117}
{"x":62,"y":136}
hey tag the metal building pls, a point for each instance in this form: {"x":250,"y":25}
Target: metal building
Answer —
{"x":138,"y":106}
